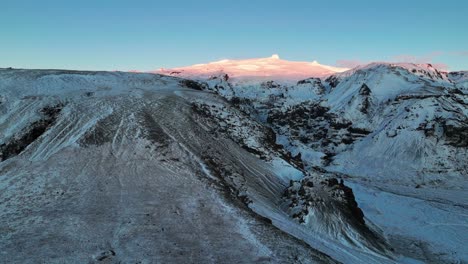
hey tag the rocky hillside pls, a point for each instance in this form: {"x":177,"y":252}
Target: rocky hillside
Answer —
{"x":122,"y":167}
{"x":396,"y":128}
{"x":363,"y":166}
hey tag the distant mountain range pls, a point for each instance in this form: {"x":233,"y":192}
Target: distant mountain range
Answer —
{"x":271,"y":68}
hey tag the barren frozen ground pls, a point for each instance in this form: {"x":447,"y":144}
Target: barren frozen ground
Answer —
{"x":129,"y":170}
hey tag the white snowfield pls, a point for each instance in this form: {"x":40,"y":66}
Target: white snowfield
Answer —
{"x":253,"y":70}
{"x":139,"y":167}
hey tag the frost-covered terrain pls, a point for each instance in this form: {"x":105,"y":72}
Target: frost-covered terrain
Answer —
{"x":322,"y":166}
{"x":396,"y":132}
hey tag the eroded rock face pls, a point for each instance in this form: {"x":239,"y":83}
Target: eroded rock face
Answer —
{"x":304,"y":194}
{"x":333,"y":81}
{"x":322,"y":202}
{"x":254,"y":137}
{"x":457,"y":135}
{"x":460,"y":79}
{"x":315,"y":126}
{"x":20,"y":142}
{"x":365,"y":90}
{"x":269,"y":85}
{"x":193,"y":85}
{"x":365,"y":99}
{"x":315,"y":84}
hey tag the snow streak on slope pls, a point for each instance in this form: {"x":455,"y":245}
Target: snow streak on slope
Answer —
{"x":272,"y":68}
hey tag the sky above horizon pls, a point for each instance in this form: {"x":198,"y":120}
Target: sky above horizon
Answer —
{"x":148,"y":35}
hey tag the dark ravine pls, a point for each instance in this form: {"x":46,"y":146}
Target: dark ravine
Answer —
{"x":19,"y":143}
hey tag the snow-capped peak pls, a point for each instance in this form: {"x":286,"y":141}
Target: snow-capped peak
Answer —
{"x":422,"y":69}
{"x":275,"y":56}
{"x":270,"y":68}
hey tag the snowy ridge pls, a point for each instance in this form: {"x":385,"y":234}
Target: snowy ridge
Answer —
{"x":427,"y":70}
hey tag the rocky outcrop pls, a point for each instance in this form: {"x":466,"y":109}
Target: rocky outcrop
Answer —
{"x":193,"y":85}
{"x":301,"y":193}
{"x":316,"y":127}
{"x":320,"y":197}
{"x":20,"y":142}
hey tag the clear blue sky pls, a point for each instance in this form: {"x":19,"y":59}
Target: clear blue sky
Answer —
{"x":146,"y":35}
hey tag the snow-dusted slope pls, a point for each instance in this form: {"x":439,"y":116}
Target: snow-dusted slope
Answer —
{"x":144,"y":167}
{"x":99,"y":166}
{"x":384,"y":82}
{"x":460,"y":79}
{"x":415,"y":116}
{"x":398,"y":128}
{"x":253,"y":70}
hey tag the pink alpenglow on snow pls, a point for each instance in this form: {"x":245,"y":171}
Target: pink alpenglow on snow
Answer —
{"x":272,"y":68}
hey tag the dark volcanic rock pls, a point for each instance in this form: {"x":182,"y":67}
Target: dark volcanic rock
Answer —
{"x":193,"y":85}
{"x":18,"y":144}
{"x":364,"y":90}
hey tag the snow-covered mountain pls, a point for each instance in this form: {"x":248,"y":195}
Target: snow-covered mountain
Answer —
{"x":100,"y":166}
{"x":258,"y":160}
{"x":416,"y":118}
{"x":395,"y":128}
{"x":253,"y":70}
